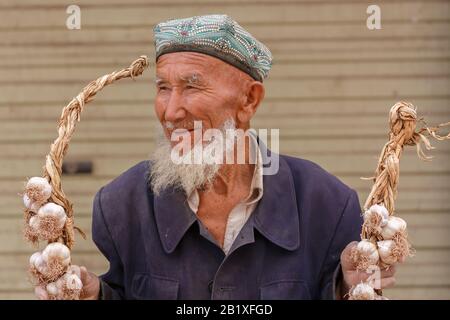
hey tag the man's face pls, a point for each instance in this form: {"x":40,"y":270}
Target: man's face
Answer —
{"x":195,"y":87}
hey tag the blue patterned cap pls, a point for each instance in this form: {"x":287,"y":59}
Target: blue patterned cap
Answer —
{"x":218,"y":36}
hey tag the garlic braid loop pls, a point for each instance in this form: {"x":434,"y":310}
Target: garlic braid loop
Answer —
{"x":382,"y":231}
{"x":49,"y":213}
{"x":69,"y":117}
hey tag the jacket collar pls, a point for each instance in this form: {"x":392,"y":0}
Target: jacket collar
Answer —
{"x":173,"y":217}
{"x":276,"y":217}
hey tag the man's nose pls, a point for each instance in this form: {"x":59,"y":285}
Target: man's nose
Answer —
{"x":174,"y":110}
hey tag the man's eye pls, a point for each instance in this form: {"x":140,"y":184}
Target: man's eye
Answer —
{"x":162,"y":88}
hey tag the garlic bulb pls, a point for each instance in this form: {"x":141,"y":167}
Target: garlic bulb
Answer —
{"x":386,"y":251}
{"x":53,"y":289}
{"x":376,"y":216}
{"x":37,"y":262}
{"x":32,"y":206}
{"x":34,"y":222}
{"x":48,"y":223}
{"x":365,"y":254}
{"x":74,"y":269}
{"x":38,"y":190}
{"x":53,"y":211}
{"x":34,"y":258}
{"x":51,"y":264}
{"x":395,"y":225}
{"x":73,"y":282}
{"x":67,"y":287}
{"x":363,"y":291}
{"x":59,"y":289}
{"x":56,"y":251}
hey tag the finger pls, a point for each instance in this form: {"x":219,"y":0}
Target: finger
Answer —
{"x":346,"y":256}
{"x":387,"y":282}
{"x":389,"y":272}
{"x":85,"y":276}
{"x":354,"y":277}
{"x":41,"y":293}
{"x":384,"y":283}
{"x":91,"y":285}
{"x":85,"y":280}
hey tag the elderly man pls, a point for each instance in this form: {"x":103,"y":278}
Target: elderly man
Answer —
{"x":221,"y":231}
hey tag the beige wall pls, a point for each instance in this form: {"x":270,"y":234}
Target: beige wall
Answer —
{"x":330,"y":89}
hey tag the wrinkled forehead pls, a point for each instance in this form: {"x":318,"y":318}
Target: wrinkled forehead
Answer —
{"x":192,"y":66}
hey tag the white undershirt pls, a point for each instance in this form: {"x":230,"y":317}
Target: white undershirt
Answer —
{"x":242,"y":211}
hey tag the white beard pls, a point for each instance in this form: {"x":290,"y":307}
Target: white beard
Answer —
{"x":187,"y":177}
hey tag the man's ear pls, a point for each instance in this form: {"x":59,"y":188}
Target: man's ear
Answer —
{"x":254,"y":94}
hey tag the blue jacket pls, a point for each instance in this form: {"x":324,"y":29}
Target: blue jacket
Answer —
{"x":289,"y":248}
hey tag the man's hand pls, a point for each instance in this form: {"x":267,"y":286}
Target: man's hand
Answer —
{"x":91,"y":287}
{"x":352,"y":277}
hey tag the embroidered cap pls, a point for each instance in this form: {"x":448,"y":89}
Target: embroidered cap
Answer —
{"x":218,"y":36}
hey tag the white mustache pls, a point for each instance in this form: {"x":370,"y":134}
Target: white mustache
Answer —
{"x":188,"y":177}
{"x":182,"y":125}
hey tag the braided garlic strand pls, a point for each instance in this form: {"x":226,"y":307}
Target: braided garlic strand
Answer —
{"x":384,"y":236}
{"x":48,"y":212}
